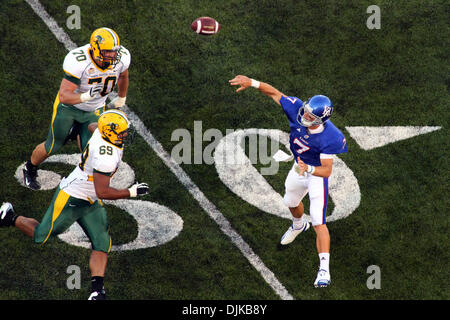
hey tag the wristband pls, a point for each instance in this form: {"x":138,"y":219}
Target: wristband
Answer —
{"x":85,"y":97}
{"x":120,"y":102}
{"x":255,"y":83}
{"x":133,"y":192}
{"x":311,"y":169}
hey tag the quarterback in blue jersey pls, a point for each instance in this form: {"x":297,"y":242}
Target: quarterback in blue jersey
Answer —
{"x":313,"y":142}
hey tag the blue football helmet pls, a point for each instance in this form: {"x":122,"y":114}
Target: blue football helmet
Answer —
{"x":318,"y":107}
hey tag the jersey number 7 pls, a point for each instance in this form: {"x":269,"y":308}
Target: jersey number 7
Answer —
{"x":303,"y":148}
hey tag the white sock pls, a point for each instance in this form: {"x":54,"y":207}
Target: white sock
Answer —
{"x":297,"y":223}
{"x":324,"y":259}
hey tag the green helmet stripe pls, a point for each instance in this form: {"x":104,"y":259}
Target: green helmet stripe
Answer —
{"x":118,"y":113}
{"x":116,"y":42}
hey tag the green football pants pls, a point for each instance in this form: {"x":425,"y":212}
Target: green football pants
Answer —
{"x":65,"y":210}
{"x":63,"y":118}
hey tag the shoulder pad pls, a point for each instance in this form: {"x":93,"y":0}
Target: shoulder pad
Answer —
{"x":76,"y":61}
{"x":125,"y":58}
{"x":105,"y":158}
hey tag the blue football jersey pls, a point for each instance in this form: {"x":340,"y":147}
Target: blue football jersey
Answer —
{"x":309,"y":146}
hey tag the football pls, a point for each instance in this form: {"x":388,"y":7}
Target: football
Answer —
{"x":206,"y":26}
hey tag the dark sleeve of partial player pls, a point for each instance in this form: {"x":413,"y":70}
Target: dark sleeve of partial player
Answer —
{"x":72,"y":79}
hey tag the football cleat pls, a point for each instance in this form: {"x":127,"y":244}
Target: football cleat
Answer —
{"x":97,"y":295}
{"x":292,"y":233}
{"x":323,"y":279}
{"x":6,"y":214}
{"x":30,"y":176}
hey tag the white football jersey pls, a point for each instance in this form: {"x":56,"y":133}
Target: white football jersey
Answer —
{"x":100,"y":156}
{"x":79,"y":66}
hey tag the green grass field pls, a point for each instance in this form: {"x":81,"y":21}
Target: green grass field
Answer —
{"x":395,"y":76}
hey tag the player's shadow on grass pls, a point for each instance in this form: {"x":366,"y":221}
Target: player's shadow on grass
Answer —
{"x":281,"y":247}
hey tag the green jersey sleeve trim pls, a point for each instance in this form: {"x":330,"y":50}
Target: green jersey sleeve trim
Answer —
{"x":72,"y":79}
{"x":109,"y":174}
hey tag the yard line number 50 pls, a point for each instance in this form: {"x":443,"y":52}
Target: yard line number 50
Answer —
{"x":157,"y":224}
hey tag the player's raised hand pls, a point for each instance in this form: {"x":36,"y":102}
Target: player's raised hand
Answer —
{"x":243,"y":81}
{"x":117,"y":102}
{"x":302,"y":166}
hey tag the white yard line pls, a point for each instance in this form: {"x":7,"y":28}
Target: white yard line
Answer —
{"x":198,"y":195}
{"x":57,"y":31}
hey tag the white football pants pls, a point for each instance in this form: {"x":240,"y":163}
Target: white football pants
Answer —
{"x":296,"y":188}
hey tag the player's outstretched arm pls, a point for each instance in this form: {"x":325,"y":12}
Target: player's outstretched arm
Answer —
{"x":244,"y":82}
{"x":104,"y":191}
{"x":122,"y":84}
{"x":67,"y":94}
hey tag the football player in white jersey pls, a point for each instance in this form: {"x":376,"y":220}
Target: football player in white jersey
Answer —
{"x":91,"y":72}
{"x":313,"y":141}
{"x":78,"y":197}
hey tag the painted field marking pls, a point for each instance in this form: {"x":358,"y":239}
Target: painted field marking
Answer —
{"x":198,"y":195}
{"x":369,"y":138}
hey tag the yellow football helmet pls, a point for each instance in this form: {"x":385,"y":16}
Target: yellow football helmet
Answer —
{"x":105,"y":46}
{"x":114,"y":127}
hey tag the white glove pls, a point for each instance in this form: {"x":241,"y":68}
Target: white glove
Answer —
{"x":139,"y":189}
{"x":118,"y":102}
{"x":89,"y":95}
